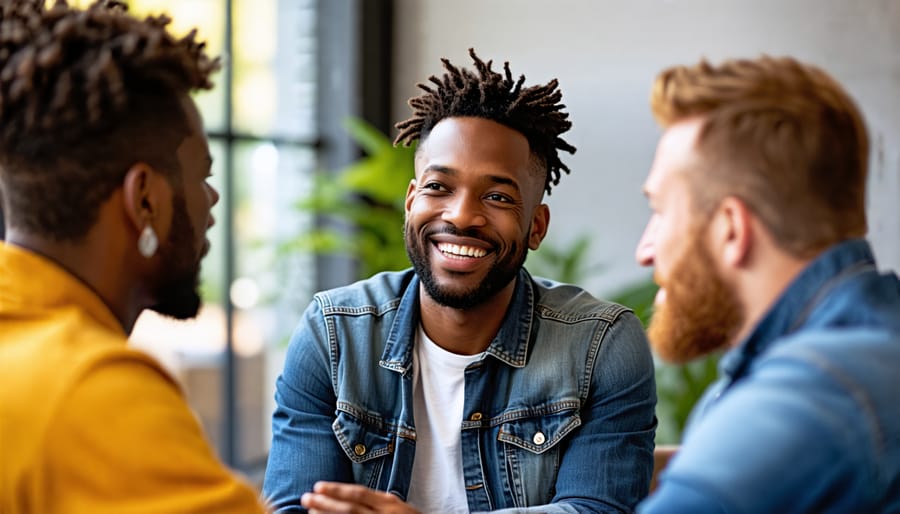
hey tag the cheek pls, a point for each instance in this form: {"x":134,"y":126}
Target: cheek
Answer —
{"x":199,"y":207}
{"x":667,"y":245}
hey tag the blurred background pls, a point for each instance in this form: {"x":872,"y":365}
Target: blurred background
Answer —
{"x":312,"y":191}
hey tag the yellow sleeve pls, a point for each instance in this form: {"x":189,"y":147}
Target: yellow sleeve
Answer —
{"x":125,"y":441}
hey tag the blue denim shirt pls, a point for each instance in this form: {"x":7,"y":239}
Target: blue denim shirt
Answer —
{"x":806,"y":416}
{"x":568,"y":366}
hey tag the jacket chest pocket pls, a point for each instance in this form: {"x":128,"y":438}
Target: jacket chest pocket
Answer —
{"x":366,"y":444}
{"x":532,"y":448}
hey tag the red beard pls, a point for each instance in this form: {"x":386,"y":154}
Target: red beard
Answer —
{"x":700,"y":313}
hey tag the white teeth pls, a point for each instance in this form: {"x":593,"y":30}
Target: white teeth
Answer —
{"x":465,"y":251}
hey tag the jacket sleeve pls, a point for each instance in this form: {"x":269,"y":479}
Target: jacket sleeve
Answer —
{"x":304,"y":447}
{"x":609,"y":461}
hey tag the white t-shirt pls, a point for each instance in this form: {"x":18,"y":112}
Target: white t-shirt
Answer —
{"x":439,"y":388}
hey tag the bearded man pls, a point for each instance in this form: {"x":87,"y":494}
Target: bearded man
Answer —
{"x":103,"y":168}
{"x":465,"y":384}
{"x":758,"y":196}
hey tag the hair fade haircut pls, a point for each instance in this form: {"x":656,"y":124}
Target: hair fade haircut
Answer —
{"x":782,"y":136}
{"x":533,"y":111}
{"x":85,"y":95}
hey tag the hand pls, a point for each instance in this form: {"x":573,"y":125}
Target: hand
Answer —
{"x":334,"y":497}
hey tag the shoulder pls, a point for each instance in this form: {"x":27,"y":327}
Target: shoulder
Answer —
{"x":817,"y":400}
{"x":840,"y":373}
{"x":373,"y":295}
{"x":611,"y":334}
{"x":131,"y":420}
{"x":568,"y":302}
{"x":62,"y":354}
{"x":855,"y":360}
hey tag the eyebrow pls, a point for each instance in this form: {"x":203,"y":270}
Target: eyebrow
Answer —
{"x":496,"y":179}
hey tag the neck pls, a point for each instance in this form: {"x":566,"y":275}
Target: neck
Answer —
{"x":464,"y":331}
{"x":94,"y":262}
{"x":762,"y":285}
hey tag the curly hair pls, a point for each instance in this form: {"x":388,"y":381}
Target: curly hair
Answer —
{"x":781,"y":135}
{"x":533,"y":111}
{"x":84,"y":95}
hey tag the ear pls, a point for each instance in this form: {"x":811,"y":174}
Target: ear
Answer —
{"x":732,"y":231}
{"x":147,"y":197}
{"x":410,"y":195}
{"x":539,"y":223}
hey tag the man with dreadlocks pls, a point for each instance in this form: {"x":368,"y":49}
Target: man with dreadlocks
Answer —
{"x":103,"y":168}
{"x":465,"y":384}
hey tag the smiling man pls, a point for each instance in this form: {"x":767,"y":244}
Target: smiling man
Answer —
{"x":758,"y":194}
{"x":465,"y":384}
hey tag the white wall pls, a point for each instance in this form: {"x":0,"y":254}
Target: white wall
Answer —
{"x":606,"y":53}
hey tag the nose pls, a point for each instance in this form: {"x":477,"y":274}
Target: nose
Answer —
{"x":464,"y":211}
{"x":645,"y":252}
{"x":213,"y":196}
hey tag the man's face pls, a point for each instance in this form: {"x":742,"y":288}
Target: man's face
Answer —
{"x":696,"y":311}
{"x":473,"y":210}
{"x":177,"y":292}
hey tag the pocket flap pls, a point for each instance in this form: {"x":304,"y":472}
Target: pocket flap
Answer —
{"x":538,"y":434}
{"x":360,"y":440}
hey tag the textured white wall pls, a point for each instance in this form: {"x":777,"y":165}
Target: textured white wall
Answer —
{"x":607,"y":52}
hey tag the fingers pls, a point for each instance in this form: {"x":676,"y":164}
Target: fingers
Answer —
{"x":322,"y":504}
{"x":353,"y":493}
{"x":337,"y":498}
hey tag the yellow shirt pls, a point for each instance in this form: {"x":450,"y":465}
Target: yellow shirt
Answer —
{"x":87,"y":424}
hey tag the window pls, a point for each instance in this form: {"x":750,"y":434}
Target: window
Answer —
{"x":262,"y":127}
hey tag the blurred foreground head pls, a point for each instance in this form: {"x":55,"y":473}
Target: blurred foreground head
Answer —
{"x":100,"y":142}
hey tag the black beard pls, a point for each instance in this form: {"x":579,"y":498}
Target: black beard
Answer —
{"x":177,"y":294}
{"x":500,"y":275}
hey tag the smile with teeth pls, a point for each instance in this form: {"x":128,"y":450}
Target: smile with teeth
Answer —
{"x":453,"y":250}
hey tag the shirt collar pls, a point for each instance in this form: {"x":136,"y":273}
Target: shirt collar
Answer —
{"x":789,"y":312}
{"x":510,"y":345}
{"x":31,"y":282}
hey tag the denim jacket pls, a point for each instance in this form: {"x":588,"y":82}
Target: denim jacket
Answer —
{"x":558,"y":413}
{"x":805,"y":417}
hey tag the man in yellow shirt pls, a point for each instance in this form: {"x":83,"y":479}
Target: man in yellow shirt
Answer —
{"x":103,"y":168}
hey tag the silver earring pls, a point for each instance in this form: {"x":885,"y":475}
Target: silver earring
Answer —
{"x":148,"y":242}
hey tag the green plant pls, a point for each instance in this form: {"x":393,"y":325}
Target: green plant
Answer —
{"x":562,"y":264}
{"x":367,"y":196}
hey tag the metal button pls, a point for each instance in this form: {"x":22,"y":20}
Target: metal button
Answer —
{"x":476,"y":416}
{"x":539,"y":438}
{"x":359,"y":449}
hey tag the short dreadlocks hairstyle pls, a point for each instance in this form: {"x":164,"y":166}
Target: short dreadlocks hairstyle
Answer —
{"x":85,"y":95}
{"x":533,"y":111}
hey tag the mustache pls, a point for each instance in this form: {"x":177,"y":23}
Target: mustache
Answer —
{"x":450,"y":230}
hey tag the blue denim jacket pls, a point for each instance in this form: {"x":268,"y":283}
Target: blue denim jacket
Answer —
{"x":564,"y":364}
{"x":806,"y":416}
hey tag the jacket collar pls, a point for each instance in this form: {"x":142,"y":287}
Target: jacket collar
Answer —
{"x":796,"y":303}
{"x":510,"y":345}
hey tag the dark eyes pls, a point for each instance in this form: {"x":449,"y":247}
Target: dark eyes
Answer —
{"x":492,"y":197}
{"x":497,"y":197}
{"x":434,"y":186}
